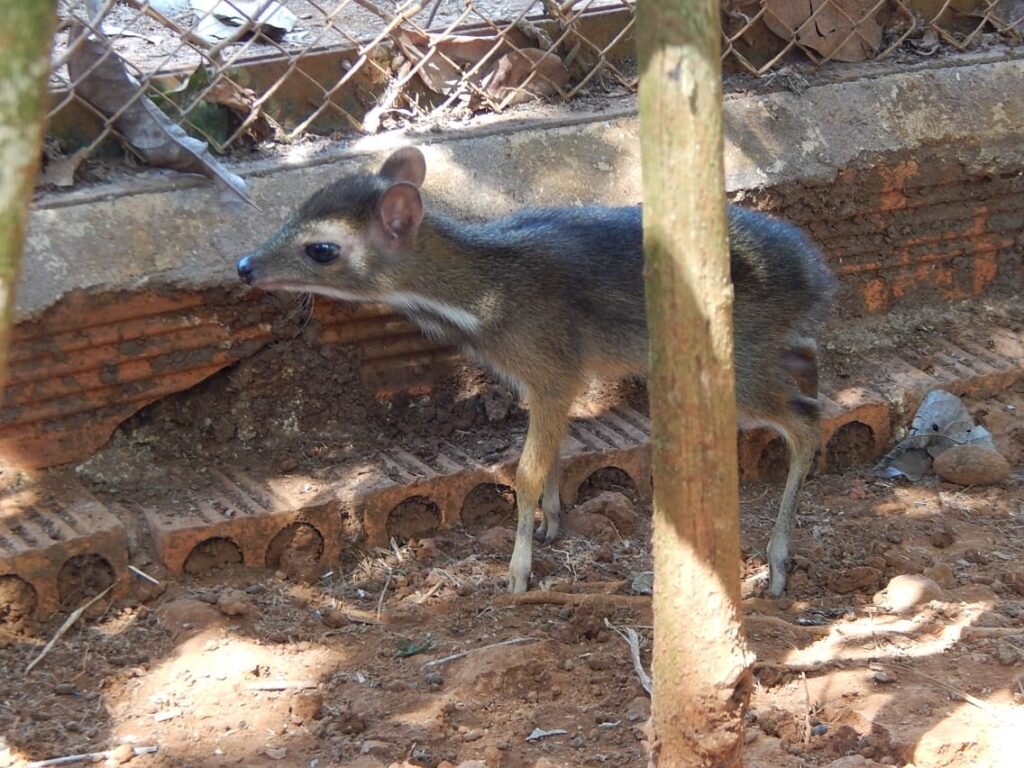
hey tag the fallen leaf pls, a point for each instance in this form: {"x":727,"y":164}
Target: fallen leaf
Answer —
{"x":60,"y":171}
{"x":222,"y":19}
{"x":101,"y":79}
{"x":503,"y":64}
{"x":512,"y":74}
{"x":840,"y":30}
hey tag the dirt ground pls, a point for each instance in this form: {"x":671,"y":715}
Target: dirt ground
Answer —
{"x":415,"y":656}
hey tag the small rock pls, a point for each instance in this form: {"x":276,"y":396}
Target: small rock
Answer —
{"x":907,"y":591}
{"x":851,"y":579}
{"x":474,"y":734}
{"x":121,"y":754}
{"x":615,"y":507}
{"x":942,"y":538}
{"x":568,"y":665}
{"x":307,"y":705}
{"x":971,"y":465}
{"x":335,"y":618}
{"x":497,"y":540}
{"x":1015,"y":581}
{"x":843,"y":740}
{"x":1008,"y":654}
{"x":975,"y":556}
{"x":852,"y":761}
{"x":942,"y":575}
{"x":639,"y":709}
{"x":591,"y":525}
{"x":977,"y":593}
{"x":884,"y":677}
{"x":433,"y":677}
{"x":375,"y":747}
{"x":642,"y":583}
{"x":498,"y":403}
{"x":276,"y":753}
{"x":64,"y":689}
{"x":187,"y":616}
{"x":427,"y":552}
{"x":232,"y":602}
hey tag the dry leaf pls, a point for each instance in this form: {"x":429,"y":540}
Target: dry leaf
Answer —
{"x":513,"y":70}
{"x":842,"y":30}
{"x":506,"y":64}
{"x":60,"y":171}
{"x":101,"y":79}
{"x":221,"y":19}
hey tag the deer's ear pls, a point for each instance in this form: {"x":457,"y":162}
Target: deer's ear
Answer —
{"x":399,"y":213}
{"x":406,"y":164}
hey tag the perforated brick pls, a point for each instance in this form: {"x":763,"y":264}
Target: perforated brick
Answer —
{"x":241,"y":511}
{"x":46,"y":524}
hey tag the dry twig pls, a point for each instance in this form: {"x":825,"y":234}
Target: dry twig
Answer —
{"x":633,"y":641}
{"x":566,"y":598}
{"x":456,"y":656}
{"x":75,"y":616}
{"x":89,"y":757}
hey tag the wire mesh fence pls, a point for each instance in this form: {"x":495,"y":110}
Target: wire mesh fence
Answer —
{"x":173,"y":80}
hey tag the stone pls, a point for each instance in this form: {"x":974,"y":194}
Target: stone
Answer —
{"x":942,"y":575}
{"x":497,"y":540}
{"x":942,"y":537}
{"x":615,"y":507}
{"x":591,"y":525}
{"x":639,"y":709}
{"x":307,"y":705}
{"x":232,"y":602}
{"x":852,"y":579}
{"x":908,"y":591}
{"x":971,"y":465}
{"x":852,"y":761}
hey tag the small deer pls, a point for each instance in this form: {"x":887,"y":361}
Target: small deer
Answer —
{"x":547,"y":299}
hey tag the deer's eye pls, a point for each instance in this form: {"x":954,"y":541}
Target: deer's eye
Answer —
{"x":323,"y":253}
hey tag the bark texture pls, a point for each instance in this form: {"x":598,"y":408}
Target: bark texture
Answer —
{"x":701,"y":666}
{"x":25,"y":39}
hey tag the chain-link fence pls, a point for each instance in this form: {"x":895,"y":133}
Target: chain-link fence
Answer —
{"x":169,"y":78}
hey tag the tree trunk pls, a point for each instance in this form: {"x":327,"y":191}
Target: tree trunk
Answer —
{"x":702,"y":679}
{"x":25,"y":39}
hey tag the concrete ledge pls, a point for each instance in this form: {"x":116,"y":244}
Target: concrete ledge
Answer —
{"x":169,"y":230}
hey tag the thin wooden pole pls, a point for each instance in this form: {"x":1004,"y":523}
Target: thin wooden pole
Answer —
{"x":701,"y":666}
{"x":25,"y":39}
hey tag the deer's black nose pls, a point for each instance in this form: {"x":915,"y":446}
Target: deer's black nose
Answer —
{"x":246,"y":268}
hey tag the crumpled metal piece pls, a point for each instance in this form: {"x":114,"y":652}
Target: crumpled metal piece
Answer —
{"x":941,"y":422}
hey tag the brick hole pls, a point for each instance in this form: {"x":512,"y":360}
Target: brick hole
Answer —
{"x":773,"y":463}
{"x":607,"y":479}
{"x":82,"y":577}
{"x":298,"y":542}
{"x":17,"y":600}
{"x":487,"y":505}
{"x":852,"y":445}
{"x":414,"y":518}
{"x":212,"y":555}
